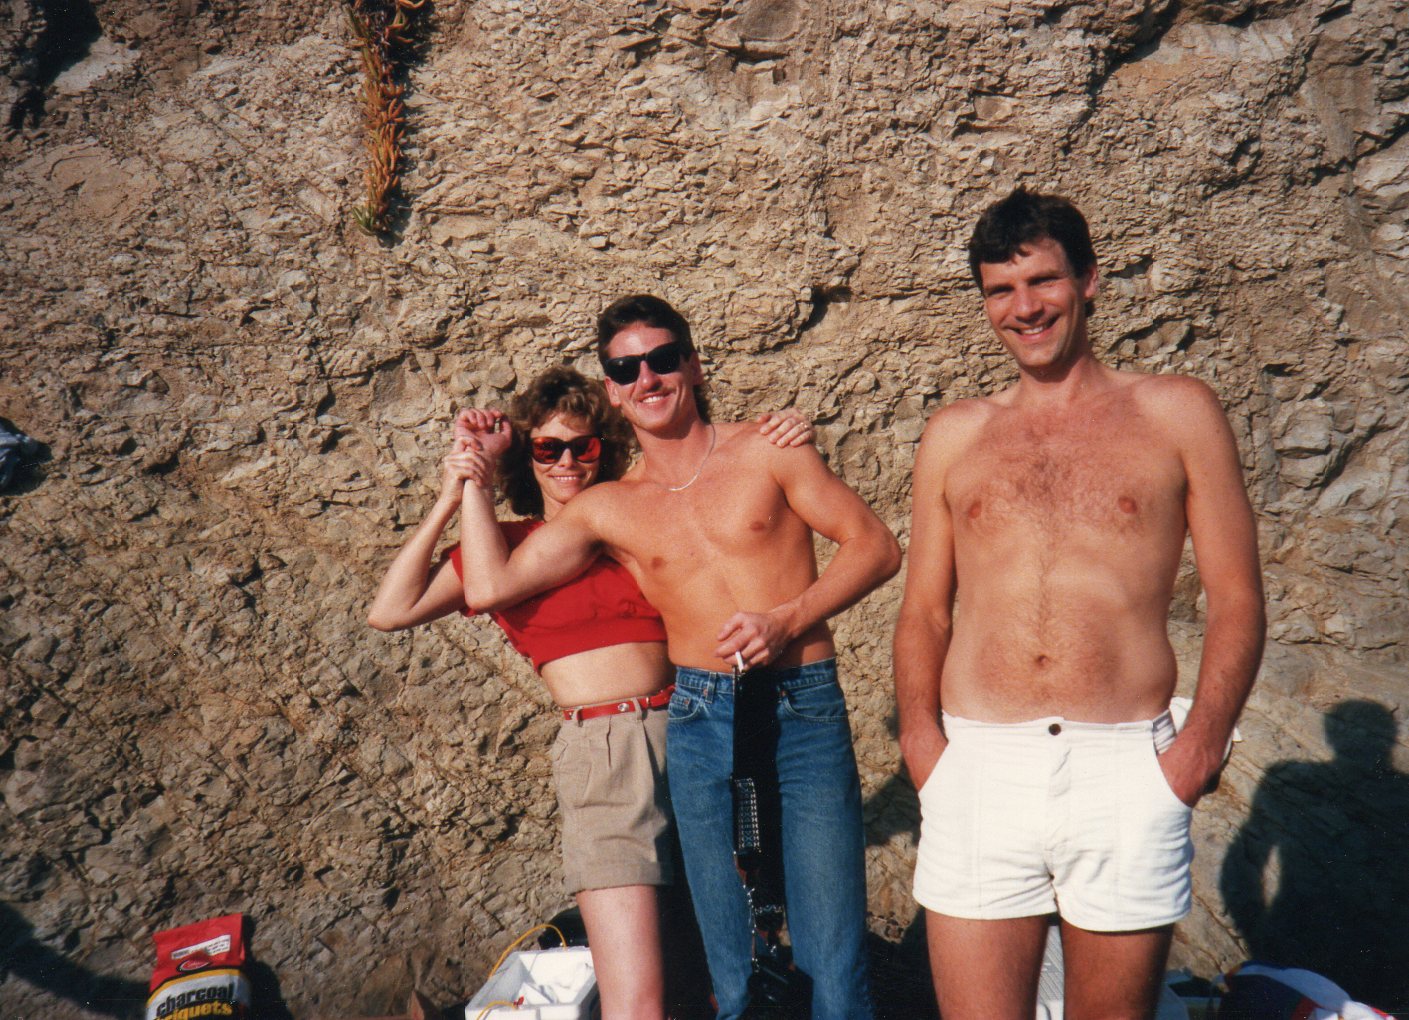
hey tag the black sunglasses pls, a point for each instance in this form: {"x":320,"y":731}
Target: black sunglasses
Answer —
{"x":663,"y":360}
{"x":547,"y":449}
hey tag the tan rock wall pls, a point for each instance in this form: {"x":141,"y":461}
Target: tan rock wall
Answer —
{"x":245,"y":400}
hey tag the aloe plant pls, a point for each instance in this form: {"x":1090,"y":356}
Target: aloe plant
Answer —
{"x":385,"y":31}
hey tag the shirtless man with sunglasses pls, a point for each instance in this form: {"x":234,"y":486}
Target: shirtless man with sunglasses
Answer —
{"x":716,"y":525}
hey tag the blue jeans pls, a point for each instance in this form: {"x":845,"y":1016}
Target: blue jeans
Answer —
{"x":824,"y":873}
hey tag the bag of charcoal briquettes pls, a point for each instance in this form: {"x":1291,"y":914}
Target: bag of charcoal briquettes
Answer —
{"x":199,"y":972}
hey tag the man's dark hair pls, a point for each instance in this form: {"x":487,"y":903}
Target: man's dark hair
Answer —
{"x":652,"y":311}
{"x":643,"y":308}
{"x":1013,"y":223}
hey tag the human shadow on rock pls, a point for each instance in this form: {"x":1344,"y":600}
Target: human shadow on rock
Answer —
{"x":902,"y":987}
{"x":266,"y":994}
{"x":26,"y":958}
{"x":901,"y":984}
{"x":1316,"y":876}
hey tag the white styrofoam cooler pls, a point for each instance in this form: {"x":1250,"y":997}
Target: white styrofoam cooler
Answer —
{"x":547,"y":984}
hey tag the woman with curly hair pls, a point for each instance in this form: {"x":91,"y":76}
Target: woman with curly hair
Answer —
{"x":599,"y":647}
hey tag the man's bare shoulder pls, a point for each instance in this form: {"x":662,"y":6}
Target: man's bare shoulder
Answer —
{"x":730,"y":433}
{"x":1169,"y":386}
{"x":1180,"y":403}
{"x":956,"y":425}
{"x":742,"y":443}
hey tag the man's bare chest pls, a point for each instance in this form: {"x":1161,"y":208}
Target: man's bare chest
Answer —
{"x":1114,"y":481}
{"x":672,"y":536}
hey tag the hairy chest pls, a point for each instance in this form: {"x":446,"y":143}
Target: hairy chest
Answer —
{"x":1108,"y":476}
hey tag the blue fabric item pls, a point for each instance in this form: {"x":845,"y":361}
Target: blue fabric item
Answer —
{"x":1268,"y":991}
{"x":15,"y":449}
{"x":823,"y":842}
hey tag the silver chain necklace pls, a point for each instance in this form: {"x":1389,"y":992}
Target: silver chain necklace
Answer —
{"x":713,"y":435}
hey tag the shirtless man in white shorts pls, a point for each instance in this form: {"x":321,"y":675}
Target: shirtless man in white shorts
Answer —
{"x":1034,"y":717}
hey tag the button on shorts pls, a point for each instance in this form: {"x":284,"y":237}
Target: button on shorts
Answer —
{"x":1023,"y":819}
{"x":613,"y":801}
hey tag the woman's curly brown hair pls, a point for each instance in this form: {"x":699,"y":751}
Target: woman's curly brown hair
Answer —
{"x":568,"y":392}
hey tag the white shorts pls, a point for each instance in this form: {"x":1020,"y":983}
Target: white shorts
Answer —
{"x":1022,"y":819}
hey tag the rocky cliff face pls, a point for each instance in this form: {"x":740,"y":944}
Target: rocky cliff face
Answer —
{"x":245,"y":398}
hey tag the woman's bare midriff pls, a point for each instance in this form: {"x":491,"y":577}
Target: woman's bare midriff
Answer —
{"x":608,"y":674}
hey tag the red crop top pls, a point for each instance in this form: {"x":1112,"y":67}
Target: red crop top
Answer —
{"x":602,"y":606}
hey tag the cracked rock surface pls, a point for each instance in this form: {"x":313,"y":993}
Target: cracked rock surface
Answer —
{"x":244,"y":401}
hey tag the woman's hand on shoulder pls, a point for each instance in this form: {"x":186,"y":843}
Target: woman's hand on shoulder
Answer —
{"x":786,"y":428}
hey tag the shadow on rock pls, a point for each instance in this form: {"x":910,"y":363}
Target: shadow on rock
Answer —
{"x":901,"y":985}
{"x":24,"y":957}
{"x":1316,"y":877}
{"x":267,"y":997}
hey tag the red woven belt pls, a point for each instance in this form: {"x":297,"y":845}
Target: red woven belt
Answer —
{"x":657,"y":700}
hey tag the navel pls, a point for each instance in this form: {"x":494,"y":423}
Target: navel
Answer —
{"x":975,"y":509}
{"x":1042,"y":662}
{"x":657,"y":562}
{"x":758,"y":525}
{"x":1128,"y":505}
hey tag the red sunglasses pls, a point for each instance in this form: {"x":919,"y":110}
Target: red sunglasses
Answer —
{"x":547,"y":449}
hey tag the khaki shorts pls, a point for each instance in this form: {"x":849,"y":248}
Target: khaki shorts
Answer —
{"x":612,"y":796}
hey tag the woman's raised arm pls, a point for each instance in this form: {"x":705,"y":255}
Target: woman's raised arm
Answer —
{"x":411,"y":593}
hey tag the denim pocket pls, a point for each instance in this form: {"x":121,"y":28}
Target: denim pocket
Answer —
{"x":819,"y":703}
{"x":683,"y":706}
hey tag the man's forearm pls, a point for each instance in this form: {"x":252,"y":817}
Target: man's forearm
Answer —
{"x":1232,"y":653}
{"x":550,"y":556}
{"x":859,"y":566}
{"x":921,"y":645}
{"x":918,"y":657}
{"x":484,"y":553}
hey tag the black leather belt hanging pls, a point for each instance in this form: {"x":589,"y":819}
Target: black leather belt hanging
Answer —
{"x":775,"y":988}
